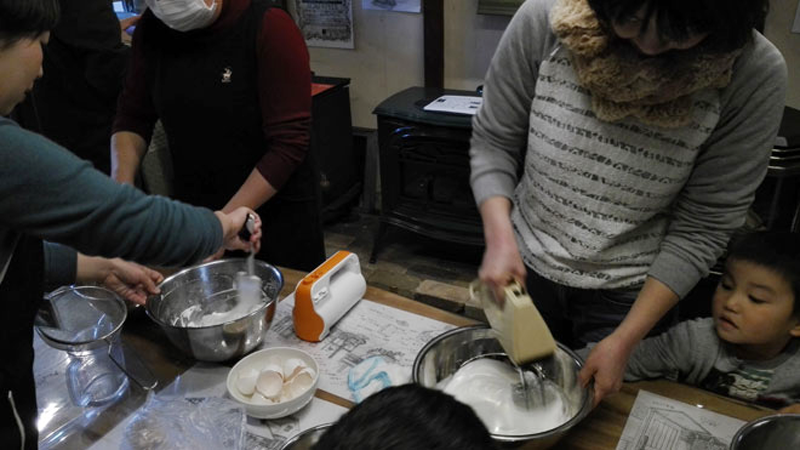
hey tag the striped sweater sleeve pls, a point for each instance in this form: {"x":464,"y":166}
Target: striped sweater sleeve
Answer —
{"x":500,"y":129}
{"x":731,"y":165}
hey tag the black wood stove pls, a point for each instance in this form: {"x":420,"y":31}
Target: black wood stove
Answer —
{"x":424,"y":169}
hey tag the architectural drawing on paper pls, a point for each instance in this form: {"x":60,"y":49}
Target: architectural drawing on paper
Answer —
{"x":665,"y":429}
{"x":256,"y":442}
{"x":369,"y":333}
{"x":342,"y":341}
{"x":274,"y":435}
{"x":284,"y":326}
{"x":661,"y":423}
{"x":336,"y":342}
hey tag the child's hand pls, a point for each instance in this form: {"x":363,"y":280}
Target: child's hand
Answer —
{"x":791,"y":409}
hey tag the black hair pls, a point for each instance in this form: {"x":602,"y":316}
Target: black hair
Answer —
{"x":778,"y":251}
{"x":408,"y":417}
{"x":729,"y":23}
{"x":20,"y":19}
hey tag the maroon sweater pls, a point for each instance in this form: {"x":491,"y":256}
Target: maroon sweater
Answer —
{"x":284,"y":94}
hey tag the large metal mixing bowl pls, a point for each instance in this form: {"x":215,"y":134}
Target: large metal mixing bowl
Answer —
{"x":306,"y":439}
{"x":211,"y":286}
{"x":446,"y":353}
{"x":778,"y":431}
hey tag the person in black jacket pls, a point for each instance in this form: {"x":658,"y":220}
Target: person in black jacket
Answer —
{"x":85,"y":61}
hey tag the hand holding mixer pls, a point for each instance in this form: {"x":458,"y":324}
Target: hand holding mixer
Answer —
{"x":521,"y":330}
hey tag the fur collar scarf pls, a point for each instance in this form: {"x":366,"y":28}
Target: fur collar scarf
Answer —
{"x":622,"y":82}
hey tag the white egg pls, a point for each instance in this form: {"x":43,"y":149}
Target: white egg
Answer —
{"x":246,"y":383}
{"x":269,"y":384}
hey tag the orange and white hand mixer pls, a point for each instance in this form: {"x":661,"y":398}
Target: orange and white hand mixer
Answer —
{"x":326,"y":294}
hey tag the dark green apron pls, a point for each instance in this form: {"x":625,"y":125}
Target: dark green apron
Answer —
{"x":20,"y":296}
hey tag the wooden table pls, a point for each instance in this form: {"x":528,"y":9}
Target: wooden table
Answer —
{"x":600,"y":430}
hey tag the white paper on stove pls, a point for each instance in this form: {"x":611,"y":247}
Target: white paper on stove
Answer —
{"x":457,"y":104}
{"x":660,"y":423}
{"x":370,"y":345}
{"x":208,"y":380}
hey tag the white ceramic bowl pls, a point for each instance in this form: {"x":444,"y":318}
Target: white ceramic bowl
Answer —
{"x":257,"y":361}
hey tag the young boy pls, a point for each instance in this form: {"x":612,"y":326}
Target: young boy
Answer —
{"x":408,"y":417}
{"x":748,"y":349}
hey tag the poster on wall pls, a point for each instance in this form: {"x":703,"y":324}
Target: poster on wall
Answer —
{"x":499,"y":7}
{"x":392,"y":5}
{"x":326,"y":23}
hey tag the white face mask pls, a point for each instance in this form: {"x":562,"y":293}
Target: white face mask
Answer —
{"x":183,"y":15}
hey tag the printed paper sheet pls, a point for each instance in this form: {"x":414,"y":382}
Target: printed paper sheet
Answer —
{"x":392,"y":5}
{"x":660,"y":423}
{"x":326,"y":23}
{"x":370,"y":340}
{"x":457,"y":104}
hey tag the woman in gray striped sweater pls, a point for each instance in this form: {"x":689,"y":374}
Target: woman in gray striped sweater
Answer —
{"x":619,"y":145}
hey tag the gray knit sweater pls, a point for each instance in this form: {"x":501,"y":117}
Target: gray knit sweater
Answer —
{"x":602,"y":205}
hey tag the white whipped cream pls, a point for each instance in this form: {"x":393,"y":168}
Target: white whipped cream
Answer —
{"x":195,"y":316}
{"x":487,"y":386}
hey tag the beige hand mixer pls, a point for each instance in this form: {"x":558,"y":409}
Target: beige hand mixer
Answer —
{"x":520,"y":329}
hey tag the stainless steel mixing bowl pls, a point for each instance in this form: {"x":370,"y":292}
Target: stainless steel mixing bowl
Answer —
{"x":306,"y":439}
{"x":778,"y":431}
{"x":211,"y":286}
{"x":445,"y":354}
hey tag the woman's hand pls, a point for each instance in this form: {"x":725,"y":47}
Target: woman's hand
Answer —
{"x":608,"y":360}
{"x":606,"y":365}
{"x":232,"y":223}
{"x":129,"y":280}
{"x":128,"y":22}
{"x":132,"y":281}
{"x":502,"y":262}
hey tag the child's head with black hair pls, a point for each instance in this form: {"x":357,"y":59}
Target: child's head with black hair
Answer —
{"x":755,"y":304}
{"x":408,"y":417}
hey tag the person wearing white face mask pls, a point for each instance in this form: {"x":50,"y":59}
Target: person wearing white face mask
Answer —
{"x":184,"y":15}
{"x":230,"y":81}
